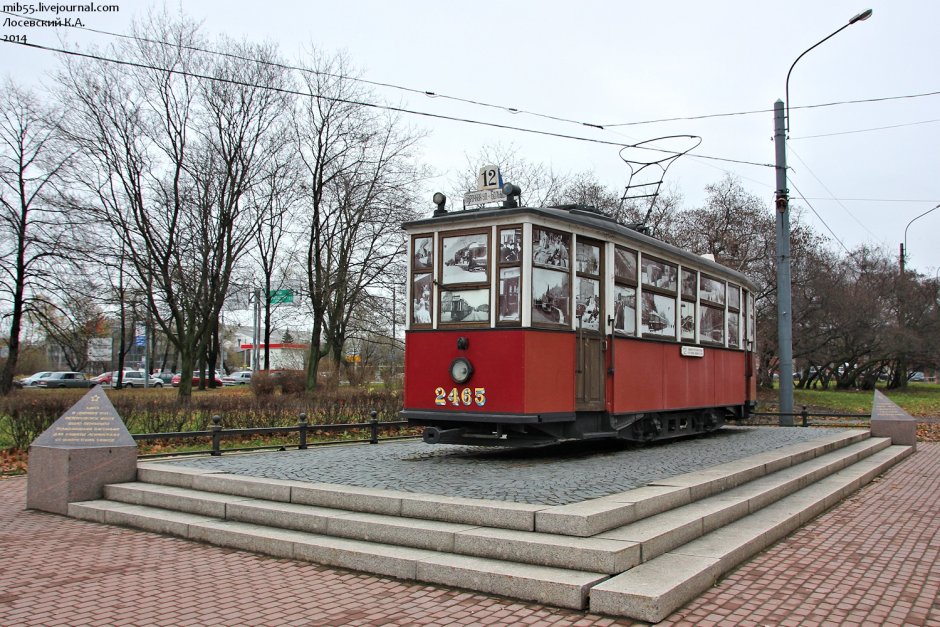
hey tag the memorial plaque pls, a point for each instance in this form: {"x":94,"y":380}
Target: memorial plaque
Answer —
{"x":85,"y":449}
{"x":888,"y":420}
{"x":91,"y":422}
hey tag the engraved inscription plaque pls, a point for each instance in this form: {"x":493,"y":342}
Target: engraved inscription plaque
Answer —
{"x":91,"y":422}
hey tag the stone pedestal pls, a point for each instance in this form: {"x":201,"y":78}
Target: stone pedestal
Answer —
{"x":890,"y":421}
{"x":85,"y":449}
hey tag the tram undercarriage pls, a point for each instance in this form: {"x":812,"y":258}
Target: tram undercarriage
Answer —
{"x":488,"y":430}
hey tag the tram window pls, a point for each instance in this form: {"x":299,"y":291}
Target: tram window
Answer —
{"x":712,"y":290}
{"x":509,"y":294}
{"x":465,"y":258}
{"x":510,"y":301}
{"x":588,"y":259}
{"x":658,"y":316}
{"x":465,"y":306}
{"x":658,"y":274}
{"x":688,"y":284}
{"x":551,"y":291}
{"x":625,"y":265}
{"x":510,"y":246}
{"x":734,"y":297}
{"x":734,"y":329}
{"x":550,"y":248}
{"x":422,"y":263}
{"x":711,"y":325}
{"x":421,"y":310}
{"x":625,"y":310}
{"x":687,"y":321}
{"x":751,"y":320}
{"x":588,"y":304}
{"x":423,"y":249}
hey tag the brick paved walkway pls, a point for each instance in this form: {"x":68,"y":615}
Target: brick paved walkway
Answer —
{"x":872,"y":560}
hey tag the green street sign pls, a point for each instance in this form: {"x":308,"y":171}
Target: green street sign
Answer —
{"x":281,"y":296}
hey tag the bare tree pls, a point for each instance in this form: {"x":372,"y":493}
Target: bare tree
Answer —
{"x":275,"y":250}
{"x":360,"y":174}
{"x":70,"y":324}
{"x":36,"y":237}
{"x":171,"y":157}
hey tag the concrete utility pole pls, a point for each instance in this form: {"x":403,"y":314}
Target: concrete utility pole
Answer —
{"x":784,"y":302}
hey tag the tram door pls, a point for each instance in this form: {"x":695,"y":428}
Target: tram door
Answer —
{"x":590,"y":367}
{"x":589,"y":373}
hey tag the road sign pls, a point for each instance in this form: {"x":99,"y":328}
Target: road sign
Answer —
{"x":277,"y":297}
{"x":99,"y":349}
{"x":140,"y":340}
{"x":483,"y":196}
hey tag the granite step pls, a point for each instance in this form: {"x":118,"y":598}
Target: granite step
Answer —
{"x":594,"y":516}
{"x":611,"y":552}
{"x":663,"y":532}
{"x":553,"y":586}
{"x":590,"y":554}
{"x":658,"y":587}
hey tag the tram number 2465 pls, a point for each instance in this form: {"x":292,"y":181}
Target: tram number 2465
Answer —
{"x":458,"y":397}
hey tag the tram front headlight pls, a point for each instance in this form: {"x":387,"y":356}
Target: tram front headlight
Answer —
{"x":461,"y":370}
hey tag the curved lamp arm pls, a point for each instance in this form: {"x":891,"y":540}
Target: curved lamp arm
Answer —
{"x":861,"y":17}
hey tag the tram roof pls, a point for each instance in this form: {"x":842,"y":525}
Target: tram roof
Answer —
{"x":580,"y":216}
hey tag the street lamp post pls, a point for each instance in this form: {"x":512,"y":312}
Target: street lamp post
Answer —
{"x":904,"y":247}
{"x":782,"y":200}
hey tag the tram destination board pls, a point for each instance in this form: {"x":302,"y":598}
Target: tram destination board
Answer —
{"x":483,"y":196}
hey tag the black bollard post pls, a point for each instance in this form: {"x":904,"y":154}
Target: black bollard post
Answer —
{"x":303,"y":431}
{"x":805,"y":416}
{"x":374,"y":423}
{"x":216,"y":435}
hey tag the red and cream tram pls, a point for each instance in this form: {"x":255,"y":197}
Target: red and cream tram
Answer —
{"x":532,"y":325}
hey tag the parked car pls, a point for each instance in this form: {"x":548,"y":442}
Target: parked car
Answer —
{"x":917,"y":377}
{"x":104,"y":378}
{"x":32,"y":380}
{"x":135,"y":379}
{"x":175,"y":381}
{"x":238,"y":378}
{"x":65,"y":380}
{"x":166,"y":377}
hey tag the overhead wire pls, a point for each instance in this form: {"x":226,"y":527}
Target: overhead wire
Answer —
{"x":917,"y":200}
{"x":816,"y":213}
{"x":755,"y":111}
{"x":833,"y":196}
{"x":868,"y":130}
{"x":365,"y":103}
{"x":423,"y":92}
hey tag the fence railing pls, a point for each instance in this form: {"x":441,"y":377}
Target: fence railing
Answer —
{"x":805,"y":416}
{"x":217,"y":432}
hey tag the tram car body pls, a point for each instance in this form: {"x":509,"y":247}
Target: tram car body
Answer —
{"x":569,"y":326}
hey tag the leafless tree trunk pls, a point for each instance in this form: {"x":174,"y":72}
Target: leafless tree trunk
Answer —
{"x":35,"y":236}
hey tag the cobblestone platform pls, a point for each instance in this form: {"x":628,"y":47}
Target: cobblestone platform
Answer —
{"x":555,"y":475}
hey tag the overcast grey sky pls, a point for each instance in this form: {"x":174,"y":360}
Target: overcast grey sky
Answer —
{"x":615,"y":62}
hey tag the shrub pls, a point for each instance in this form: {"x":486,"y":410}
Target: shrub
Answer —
{"x":262,"y":384}
{"x":24,"y":414}
{"x":293,"y":381}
